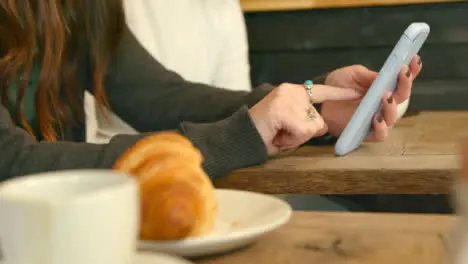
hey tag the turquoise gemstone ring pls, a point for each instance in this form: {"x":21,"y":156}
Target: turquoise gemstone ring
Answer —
{"x":308,"y":87}
{"x":311,"y":114}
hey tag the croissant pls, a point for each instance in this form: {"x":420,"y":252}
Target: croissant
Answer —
{"x":177,"y":199}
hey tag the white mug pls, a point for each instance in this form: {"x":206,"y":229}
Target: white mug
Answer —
{"x":69,"y":217}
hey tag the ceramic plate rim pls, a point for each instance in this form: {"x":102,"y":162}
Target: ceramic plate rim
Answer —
{"x":151,"y":257}
{"x":247,"y":232}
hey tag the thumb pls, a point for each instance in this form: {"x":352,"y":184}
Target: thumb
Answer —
{"x":322,"y":93}
{"x":364,"y":77}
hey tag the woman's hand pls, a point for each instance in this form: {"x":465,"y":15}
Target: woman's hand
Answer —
{"x":282,"y":117}
{"x":337,"y":114}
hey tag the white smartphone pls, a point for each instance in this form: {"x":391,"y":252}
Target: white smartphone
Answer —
{"x":360,"y":124}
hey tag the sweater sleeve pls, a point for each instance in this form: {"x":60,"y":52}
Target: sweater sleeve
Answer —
{"x":227,"y":144}
{"x":151,"y":98}
{"x":22,"y":155}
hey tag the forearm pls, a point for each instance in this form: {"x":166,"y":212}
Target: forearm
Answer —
{"x":23,"y":155}
{"x":228,"y":144}
{"x":151,"y":98}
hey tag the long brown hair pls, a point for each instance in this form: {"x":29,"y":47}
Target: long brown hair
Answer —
{"x":59,"y":35}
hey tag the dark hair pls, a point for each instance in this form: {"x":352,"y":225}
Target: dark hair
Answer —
{"x":57,"y":34}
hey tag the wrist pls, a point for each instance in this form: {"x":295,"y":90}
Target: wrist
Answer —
{"x":228,"y":144}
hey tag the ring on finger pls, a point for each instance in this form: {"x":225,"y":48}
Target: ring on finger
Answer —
{"x":311,"y":113}
{"x":308,"y":85}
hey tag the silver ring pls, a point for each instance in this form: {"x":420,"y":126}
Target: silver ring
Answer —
{"x":311,"y":113}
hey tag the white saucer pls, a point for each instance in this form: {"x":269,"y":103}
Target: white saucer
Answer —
{"x":243,"y":217}
{"x":158,"y":258}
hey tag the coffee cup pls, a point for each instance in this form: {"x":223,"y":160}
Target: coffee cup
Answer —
{"x":69,"y":217}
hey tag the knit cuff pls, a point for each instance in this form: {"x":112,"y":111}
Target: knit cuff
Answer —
{"x":228,"y":144}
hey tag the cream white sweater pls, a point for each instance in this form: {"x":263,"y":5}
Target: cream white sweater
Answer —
{"x":202,"y":40}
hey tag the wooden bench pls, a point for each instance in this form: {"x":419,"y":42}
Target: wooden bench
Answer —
{"x":420,"y":157}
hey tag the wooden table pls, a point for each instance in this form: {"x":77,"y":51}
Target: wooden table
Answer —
{"x":420,"y":157}
{"x":284,"y":5}
{"x":350,"y":238}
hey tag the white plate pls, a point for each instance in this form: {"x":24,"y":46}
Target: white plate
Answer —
{"x":158,"y":258}
{"x":243,"y":217}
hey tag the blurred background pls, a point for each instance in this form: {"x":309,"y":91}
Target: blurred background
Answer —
{"x":243,"y":43}
{"x":292,"y":40}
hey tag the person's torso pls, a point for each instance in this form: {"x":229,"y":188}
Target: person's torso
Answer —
{"x":75,"y":132}
{"x":179,"y":34}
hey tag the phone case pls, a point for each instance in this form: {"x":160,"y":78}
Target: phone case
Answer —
{"x":360,"y":124}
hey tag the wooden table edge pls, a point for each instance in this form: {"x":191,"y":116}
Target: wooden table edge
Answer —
{"x":346,"y":179}
{"x":292,"y":5}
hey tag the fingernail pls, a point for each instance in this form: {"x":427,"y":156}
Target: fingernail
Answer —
{"x":408,"y":73}
{"x":379,"y":118}
{"x":390,"y":99}
{"x":359,"y":91}
{"x":419,"y":61}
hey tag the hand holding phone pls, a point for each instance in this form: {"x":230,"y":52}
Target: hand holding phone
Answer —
{"x":360,"y":124}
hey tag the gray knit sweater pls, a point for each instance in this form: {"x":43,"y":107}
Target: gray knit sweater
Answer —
{"x":150,"y":98}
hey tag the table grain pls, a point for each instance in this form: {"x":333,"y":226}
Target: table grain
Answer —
{"x":419,"y":157}
{"x":350,"y":238}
